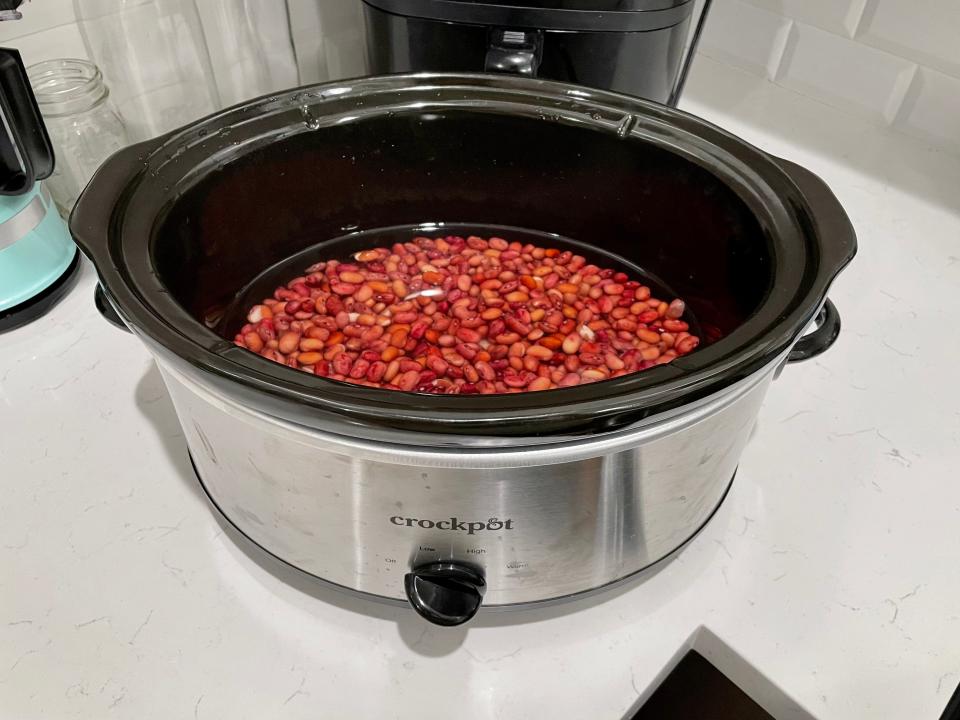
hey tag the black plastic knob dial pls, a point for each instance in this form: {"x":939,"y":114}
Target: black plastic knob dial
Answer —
{"x":445,"y":593}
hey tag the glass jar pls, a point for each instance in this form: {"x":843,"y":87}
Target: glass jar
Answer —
{"x":82,"y":123}
{"x":155,"y":59}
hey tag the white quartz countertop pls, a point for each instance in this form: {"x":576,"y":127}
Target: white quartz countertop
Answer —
{"x":832,"y":569}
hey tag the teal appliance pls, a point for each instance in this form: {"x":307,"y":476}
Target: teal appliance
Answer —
{"x":38,"y":258}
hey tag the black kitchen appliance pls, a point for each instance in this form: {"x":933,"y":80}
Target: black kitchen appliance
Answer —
{"x":638,"y":47}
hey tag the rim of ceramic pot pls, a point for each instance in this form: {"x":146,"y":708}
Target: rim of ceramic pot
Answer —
{"x":115,"y":217}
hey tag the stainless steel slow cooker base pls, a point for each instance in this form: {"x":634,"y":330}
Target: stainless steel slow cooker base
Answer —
{"x":267,"y":559}
{"x":527,"y":496}
{"x":539,"y":523}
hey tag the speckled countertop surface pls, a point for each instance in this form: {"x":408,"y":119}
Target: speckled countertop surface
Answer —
{"x":828,"y":583}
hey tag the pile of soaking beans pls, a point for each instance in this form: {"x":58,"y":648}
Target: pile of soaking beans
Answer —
{"x":464,"y":316}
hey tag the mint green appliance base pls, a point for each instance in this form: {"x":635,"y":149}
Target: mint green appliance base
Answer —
{"x":35,"y":246}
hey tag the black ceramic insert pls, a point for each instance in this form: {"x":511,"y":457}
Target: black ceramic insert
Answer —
{"x":178,"y":226}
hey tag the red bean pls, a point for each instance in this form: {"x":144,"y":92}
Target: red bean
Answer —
{"x":486,"y":370}
{"x":517,"y":380}
{"x":376,"y":371}
{"x":418,"y":329}
{"x":309,"y":358}
{"x":540,"y":352}
{"x":288,"y":342}
{"x":438,"y":365}
{"x":342,"y":363}
{"x":499,"y":317}
{"x":466,"y":351}
{"x":258,"y":313}
{"x":541,"y":383}
{"x":393,"y":367}
{"x":311,"y":345}
{"x":408,"y":381}
{"x":359,"y":369}
{"x":687,"y":344}
{"x":571,"y":344}
{"x":352,"y":277}
{"x":613,"y":362}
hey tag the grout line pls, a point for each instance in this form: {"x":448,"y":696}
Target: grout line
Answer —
{"x":785,"y":42}
{"x":921,"y":139}
{"x":858,"y":14}
{"x":13,"y":40}
{"x":903,"y":95}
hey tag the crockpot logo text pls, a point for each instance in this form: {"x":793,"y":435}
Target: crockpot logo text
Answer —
{"x":470,"y":528}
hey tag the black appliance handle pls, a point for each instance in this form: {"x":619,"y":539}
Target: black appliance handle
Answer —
{"x":90,"y":222}
{"x":817,"y":341}
{"x":106,"y":308}
{"x":839,"y":247}
{"x":691,"y":52}
{"x":26,"y":154}
{"x":517,"y":52}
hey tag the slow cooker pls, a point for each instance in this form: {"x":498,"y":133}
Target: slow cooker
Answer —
{"x":450,"y":501}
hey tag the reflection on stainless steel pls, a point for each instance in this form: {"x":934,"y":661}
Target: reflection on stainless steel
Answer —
{"x":541,"y":521}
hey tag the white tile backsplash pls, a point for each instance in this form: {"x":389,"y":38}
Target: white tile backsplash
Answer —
{"x":927,"y":31}
{"x":837,"y":16}
{"x":250,"y":47}
{"x":329,"y":38}
{"x":932,"y":108}
{"x":63,"y":41}
{"x":842,"y":73}
{"x":38,"y":15}
{"x":896,"y":62}
{"x":746,"y":36}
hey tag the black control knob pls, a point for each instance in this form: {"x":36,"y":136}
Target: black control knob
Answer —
{"x":445,"y":593}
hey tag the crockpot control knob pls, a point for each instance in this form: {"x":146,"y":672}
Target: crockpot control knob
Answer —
{"x":445,"y":593}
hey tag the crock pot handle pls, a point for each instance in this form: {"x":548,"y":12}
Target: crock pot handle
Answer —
{"x":838,"y":248}
{"x":106,"y":308}
{"x":817,"y":341}
{"x":93,"y":213}
{"x":833,"y":226}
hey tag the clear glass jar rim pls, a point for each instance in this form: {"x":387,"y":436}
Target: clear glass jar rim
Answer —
{"x":66,"y":85}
